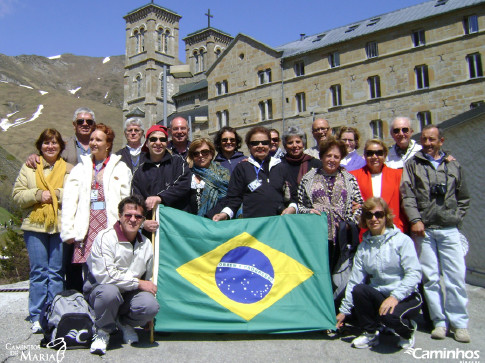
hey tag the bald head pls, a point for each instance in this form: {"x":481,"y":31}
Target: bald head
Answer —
{"x":179,"y":128}
{"x":320,"y":129}
{"x":401,"y":131}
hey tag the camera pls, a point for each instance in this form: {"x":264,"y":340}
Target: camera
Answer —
{"x":438,"y":189}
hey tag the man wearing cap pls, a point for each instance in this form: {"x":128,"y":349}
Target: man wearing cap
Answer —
{"x":163,"y":178}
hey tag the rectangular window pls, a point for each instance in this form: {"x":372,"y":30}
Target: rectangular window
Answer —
{"x":334,"y":59}
{"x":264,"y":76}
{"x":300,"y":102}
{"x":221,"y":88}
{"x":376,"y":129}
{"x":336,"y":95}
{"x":299,"y":69}
{"x":374,"y":86}
{"x":422,"y":80}
{"x":225,"y":87}
{"x":476,"y":104}
{"x":470,"y":24}
{"x":424,"y":118}
{"x":222,"y":118}
{"x":418,"y":38}
{"x":371,"y":50}
{"x":474,"y":65}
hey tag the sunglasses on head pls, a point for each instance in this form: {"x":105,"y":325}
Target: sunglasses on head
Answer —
{"x":379,"y":214}
{"x":374,"y":152}
{"x":228,"y":139}
{"x":138,"y":217}
{"x":80,"y":121}
{"x":404,"y":130}
{"x":204,"y":153}
{"x":155,"y":139}
{"x":257,"y":142}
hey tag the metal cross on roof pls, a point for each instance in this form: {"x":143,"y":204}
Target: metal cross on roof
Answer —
{"x":209,"y":16}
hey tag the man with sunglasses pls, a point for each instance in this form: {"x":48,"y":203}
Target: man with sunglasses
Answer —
{"x":118,"y":286}
{"x":405,"y":147}
{"x":435,"y":200}
{"x":320,"y":131}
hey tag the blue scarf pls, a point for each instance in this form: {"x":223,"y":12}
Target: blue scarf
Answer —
{"x":216,"y":180}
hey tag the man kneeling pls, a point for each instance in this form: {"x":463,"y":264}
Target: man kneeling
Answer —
{"x":118,"y":286}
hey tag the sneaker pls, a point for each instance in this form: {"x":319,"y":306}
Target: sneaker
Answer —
{"x":100,"y":342}
{"x":36,"y":328}
{"x":461,"y":335}
{"x":129,"y":334}
{"x":408,"y":343}
{"x":366,"y":340}
{"x":439,"y":332}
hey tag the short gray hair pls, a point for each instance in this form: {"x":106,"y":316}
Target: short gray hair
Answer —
{"x":134,"y":121}
{"x":83,"y":110}
{"x":294,"y":131}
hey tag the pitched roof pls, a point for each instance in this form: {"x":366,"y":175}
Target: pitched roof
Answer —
{"x":191,"y":87}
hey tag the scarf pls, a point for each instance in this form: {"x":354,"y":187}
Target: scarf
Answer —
{"x":47,"y":213}
{"x":302,"y":160}
{"x":216,"y":180}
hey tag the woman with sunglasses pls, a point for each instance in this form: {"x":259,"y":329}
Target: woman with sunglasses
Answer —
{"x":258,"y":184}
{"x":91,"y":195}
{"x":209,"y":179}
{"x":39,"y":192}
{"x":227,"y":143}
{"x":375,"y":179}
{"x":382,"y":289}
{"x":163,"y":178}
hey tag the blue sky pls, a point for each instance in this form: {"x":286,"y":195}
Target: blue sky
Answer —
{"x":97,"y":28}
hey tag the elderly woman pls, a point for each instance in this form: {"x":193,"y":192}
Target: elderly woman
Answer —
{"x":39,"y":193}
{"x":131,"y":154}
{"x":227,"y":143}
{"x":258,"y":184}
{"x":383,"y":284}
{"x":92,"y":192}
{"x":375,"y":179}
{"x":295,"y":160}
{"x":350,"y":137}
{"x":209,"y":179}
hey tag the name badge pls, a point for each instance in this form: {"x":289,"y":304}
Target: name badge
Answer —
{"x":94,"y":195}
{"x":255,"y":184}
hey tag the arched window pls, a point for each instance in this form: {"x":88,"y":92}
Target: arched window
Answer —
{"x":196,"y":62}
{"x":166,"y":36}
{"x":218,"y":52}
{"x":201,"y":63}
{"x":138,"y":85}
{"x":159,"y":39}
{"x":137,"y":40}
{"x":142,"y":40}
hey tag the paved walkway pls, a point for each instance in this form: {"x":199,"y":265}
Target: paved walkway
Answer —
{"x":17,"y":344}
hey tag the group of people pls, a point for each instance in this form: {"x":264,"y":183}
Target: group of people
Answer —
{"x":86,"y":208}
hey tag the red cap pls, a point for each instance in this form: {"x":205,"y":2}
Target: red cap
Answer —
{"x":153,"y":129}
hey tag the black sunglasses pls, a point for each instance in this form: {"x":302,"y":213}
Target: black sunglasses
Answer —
{"x":138,"y":217}
{"x":256,"y":143}
{"x":379,"y":214}
{"x":228,"y":139}
{"x":374,"y":152}
{"x":155,"y":139}
{"x":80,"y":121}
{"x":204,"y":153}
{"x":405,"y":130}
{"x":275,"y":139}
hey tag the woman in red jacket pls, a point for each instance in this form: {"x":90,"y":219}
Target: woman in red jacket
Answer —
{"x":377,"y":180}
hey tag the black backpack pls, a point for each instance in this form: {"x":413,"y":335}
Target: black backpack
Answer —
{"x":69,"y":318}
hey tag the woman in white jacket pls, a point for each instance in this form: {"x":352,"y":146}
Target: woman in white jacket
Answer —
{"x":91,"y":195}
{"x":387,"y":259}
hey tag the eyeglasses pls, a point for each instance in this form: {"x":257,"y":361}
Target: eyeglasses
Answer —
{"x":228,"y":139}
{"x":155,"y":139}
{"x":404,"y":130}
{"x":379,"y":214}
{"x":204,"y":153}
{"x":275,"y":139}
{"x":138,"y":217}
{"x":370,"y":153}
{"x":257,"y":142}
{"x":129,"y":131}
{"x":80,"y":121}
{"x":322,"y":129}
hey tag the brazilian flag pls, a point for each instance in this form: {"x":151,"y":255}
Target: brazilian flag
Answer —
{"x":261,"y":275}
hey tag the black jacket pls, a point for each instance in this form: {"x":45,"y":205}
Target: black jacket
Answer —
{"x":126,"y":158}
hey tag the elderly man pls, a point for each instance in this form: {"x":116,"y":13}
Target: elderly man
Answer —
{"x":435,"y":200}
{"x":320,"y":131}
{"x":404,"y":148}
{"x":179,"y":129}
{"x":118,"y":287}
{"x":131,"y":154}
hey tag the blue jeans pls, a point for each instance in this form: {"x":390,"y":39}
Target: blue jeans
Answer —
{"x":46,"y":269}
{"x":441,"y":251}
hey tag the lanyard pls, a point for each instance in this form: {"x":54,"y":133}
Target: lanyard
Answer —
{"x":96,"y":171}
{"x":257,"y":170}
